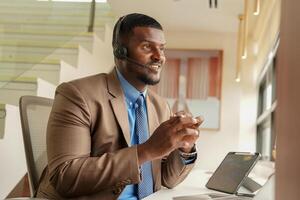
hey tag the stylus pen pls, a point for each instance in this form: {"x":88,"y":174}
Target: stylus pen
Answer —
{"x":245,"y":195}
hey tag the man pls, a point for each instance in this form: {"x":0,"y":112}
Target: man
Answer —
{"x":98,"y":142}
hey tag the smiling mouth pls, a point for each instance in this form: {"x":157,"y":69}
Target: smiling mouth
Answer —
{"x":154,"y":67}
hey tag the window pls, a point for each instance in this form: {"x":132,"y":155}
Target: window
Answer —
{"x":265,"y":138}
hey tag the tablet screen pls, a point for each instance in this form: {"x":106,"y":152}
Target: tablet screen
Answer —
{"x":232,"y":171}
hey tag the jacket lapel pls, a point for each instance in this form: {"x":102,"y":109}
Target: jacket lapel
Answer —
{"x":118,"y":104}
{"x":152,"y":117}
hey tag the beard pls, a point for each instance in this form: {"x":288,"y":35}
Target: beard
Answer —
{"x":148,"y":80}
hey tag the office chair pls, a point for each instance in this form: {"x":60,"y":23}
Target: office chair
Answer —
{"x":34,"y":112}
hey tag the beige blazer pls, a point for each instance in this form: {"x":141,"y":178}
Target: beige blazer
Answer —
{"x":88,"y":142}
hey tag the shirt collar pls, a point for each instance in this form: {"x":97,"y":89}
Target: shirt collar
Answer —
{"x":130,"y":92}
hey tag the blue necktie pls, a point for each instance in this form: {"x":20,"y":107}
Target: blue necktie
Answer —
{"x":145,"y":187}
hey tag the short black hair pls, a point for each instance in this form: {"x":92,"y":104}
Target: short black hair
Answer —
{"x":129,"y":22}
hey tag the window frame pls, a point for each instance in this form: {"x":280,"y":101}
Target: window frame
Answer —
{"x":266,"y":114}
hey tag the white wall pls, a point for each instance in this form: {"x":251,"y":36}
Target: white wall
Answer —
{"x":45,"y":89}
{"x":12,"y":155}
{"x":248,"y":108}
{"x":99,"y":60}
{"x":214,"y":145}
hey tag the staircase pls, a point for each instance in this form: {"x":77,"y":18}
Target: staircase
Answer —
{"x":36,"y":36}
{"x":44,"y":43}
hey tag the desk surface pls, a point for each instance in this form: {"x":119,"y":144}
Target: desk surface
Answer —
{"x":192,"y":185}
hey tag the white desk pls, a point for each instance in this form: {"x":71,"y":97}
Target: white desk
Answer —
{"x":192,"y":185}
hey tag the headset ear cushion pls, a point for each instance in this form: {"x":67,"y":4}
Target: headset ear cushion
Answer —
{"x":120,"y":52}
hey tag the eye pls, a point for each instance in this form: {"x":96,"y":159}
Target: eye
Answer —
{"x":162,"y":48}
{"x":146,"y":47}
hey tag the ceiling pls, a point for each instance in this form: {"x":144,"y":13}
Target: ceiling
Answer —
{"x":185,"y":15}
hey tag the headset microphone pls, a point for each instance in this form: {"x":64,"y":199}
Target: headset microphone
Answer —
{"x":134,"y":62}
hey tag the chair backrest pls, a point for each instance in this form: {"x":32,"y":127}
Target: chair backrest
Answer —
{"x":34,"y":112}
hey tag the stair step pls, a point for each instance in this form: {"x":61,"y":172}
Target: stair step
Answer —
{"x":54,"y":5}
{"x":54,"y":44}
{"x":38,"y":31}
{"x":29,"y":59}
{"x":34,"y":43}
{"x":11,"y":91}
{"x":52,"y":13}
{"x":50,"y":76}
{"x":56,"y":22}
{"x":56,"y":38}
{"x":24,"y":66}
{"x":35,"y":55}
{"x":48,"y":72}
{"x":51,"y":28}
{"x":52,"y":58}
{"x":18,"y":83}
{"x":32,"y":58}
{"x":19,"y":79}
{"x":21,"y":50}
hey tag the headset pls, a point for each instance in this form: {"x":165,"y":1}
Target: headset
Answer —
{"x":119,"y":50}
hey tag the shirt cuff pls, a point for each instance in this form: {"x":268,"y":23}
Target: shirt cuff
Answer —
{"x":189,"y":161}
{"x":188,"y":158}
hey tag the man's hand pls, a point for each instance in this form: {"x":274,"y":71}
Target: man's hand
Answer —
{"x":180,"y":131}
{"x":190,"y":140}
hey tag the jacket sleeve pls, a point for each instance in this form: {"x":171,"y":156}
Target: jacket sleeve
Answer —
{"x":174,"y":170}
{"x":73,"y":172}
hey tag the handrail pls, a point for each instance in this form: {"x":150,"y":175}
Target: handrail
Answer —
{"x":92,"y":16}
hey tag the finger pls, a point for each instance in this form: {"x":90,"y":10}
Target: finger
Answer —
{"x":190,"y":139}
{"x":185,"y":144}
{"x":183,"y":114}
{"x":172,"y":120}
{"x":182,"y":122}
{"x":188,"y":132}
{"x":177,"y":114}
{"x":200,"y":120}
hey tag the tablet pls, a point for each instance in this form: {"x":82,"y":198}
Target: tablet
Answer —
{"x":232,"y":171}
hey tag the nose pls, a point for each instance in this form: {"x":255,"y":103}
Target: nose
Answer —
{"x":158,"y":55}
